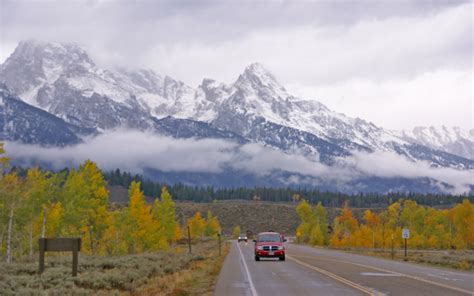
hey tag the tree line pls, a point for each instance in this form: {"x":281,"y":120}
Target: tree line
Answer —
{"x":430,"y":228}
{"x":184,"y":192}
{"x":75,"y":203}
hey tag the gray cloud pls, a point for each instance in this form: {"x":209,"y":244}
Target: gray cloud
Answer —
{"x":133,"y":151}
{"x":368,"y":38}
{"x":316,"y":47}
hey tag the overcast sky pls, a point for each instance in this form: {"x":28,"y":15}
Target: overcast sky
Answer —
{"x":396,"y":63}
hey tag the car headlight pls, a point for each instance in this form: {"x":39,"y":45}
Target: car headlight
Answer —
{"x":281,"y":247}
{"x":260,"y":248}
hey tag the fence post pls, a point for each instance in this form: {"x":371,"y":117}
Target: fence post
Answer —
{"x":189,"y":239}
{"x":393,"y":250}
{"x":75,"y":259}
{"x":219,"y":236}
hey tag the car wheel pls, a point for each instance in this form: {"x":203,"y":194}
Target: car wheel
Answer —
{"x":257,"y":258}
{"x":282,"y":258}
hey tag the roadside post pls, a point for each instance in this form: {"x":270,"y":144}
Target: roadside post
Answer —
{"x":393,"y":250}
{"x":219,"y":238}
{"x":60,"y":245}
{"x":405,"y":236}
{"x":189,"y":239}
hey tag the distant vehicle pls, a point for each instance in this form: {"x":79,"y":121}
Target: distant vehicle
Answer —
{"x":242,"y":237}
{"x":269,"y":245}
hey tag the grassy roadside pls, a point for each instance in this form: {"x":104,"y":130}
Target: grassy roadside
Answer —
{"x":199,"y":278}
{"x":134,"y":274}
{"x":452,"y":259}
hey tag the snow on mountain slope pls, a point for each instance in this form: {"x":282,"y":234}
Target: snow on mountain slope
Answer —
{"x":36,"y":69}
{"x":162,"y":96}
{"x":258,"y":94}
{"x":34,"y":64}
{"x":453,"y":140}
{"x":63,"y":80}
{"x":24,"y":123}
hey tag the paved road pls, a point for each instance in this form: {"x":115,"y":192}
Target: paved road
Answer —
{"x":311,"y":271}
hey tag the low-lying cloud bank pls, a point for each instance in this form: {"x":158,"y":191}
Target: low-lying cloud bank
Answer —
{"x":133,"y":151}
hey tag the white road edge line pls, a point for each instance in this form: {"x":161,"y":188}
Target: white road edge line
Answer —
{"x":252,"y":287}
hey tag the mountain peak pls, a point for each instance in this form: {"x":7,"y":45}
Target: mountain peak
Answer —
{"x":29,"y":46}
{"x":259,"y":71}
{"x":256,"y":77}
{"x":62,"y":54}
{"x":34,"y":64}
{"x":257,"y":68}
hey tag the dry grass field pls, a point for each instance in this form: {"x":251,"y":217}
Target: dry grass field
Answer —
{"x":121,"y":275}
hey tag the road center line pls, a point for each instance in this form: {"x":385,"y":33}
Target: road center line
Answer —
{"x":252,"y":287}
{"x":395,"y":273}
{"x":334,"y":276}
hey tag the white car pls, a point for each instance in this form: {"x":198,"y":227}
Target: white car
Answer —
{"x":242,"y":237}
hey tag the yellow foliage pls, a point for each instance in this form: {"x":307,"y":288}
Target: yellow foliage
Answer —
{"x":236,"y":231}
{"x":316,"y":237}
{"x":54,"y":218}
{"x":141,"y":230}
{"x":196,"y":225}
{"x":212,"y":227}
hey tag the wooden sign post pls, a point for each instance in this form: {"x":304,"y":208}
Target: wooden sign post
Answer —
{"x":60,"y":245}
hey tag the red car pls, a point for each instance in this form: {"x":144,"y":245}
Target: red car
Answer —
{"x":269,"y":245}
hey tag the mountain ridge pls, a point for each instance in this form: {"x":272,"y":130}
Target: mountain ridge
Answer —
{"x":62,"y":80}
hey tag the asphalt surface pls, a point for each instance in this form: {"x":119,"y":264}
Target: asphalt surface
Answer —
{"x":313,"y":271}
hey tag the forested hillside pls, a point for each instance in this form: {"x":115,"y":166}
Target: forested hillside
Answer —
{"x":182,"y":192}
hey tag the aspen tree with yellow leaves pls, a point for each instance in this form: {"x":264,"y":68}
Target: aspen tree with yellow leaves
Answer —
{"x":305,"y":213}
{"x":430,"y":228}
{"x":236,"y":231}
{"x":75,"y":203}
{"x":372,"y":221}
{"x":85,"y":200}
{"x":140,"y":229}
{"x":212,"y":227}
{"x":345,"y":225}
{"x":196,"y":225}
{"x":165,"y":216}
{"x":12,"y":198}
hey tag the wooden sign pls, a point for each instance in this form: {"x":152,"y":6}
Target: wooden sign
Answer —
{"x":59,"y":245}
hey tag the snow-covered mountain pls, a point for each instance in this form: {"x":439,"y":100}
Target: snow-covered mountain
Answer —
{"x":62,"y":80}
{"x":25,"y":123}
{"x":453,"y":140}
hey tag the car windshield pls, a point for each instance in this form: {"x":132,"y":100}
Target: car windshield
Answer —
{"x":269,"y":238}
{"x":243,"y":234}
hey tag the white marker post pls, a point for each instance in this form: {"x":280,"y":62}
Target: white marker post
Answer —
{"x":405,"y":235}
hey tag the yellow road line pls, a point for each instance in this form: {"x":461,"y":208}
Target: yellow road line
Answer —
{"x":334,"y":276}
{"x":394,"y":272}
